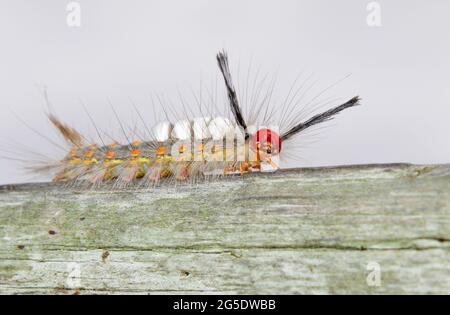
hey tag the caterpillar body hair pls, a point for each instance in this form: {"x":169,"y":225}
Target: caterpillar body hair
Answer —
{"x":183,"y":150}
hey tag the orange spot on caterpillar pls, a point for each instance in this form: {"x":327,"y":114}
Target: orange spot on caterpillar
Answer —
{"x":110,"y":155}
{"x":135,"y":153}
{"x":113,"y":145}
{"x":161,"y":151}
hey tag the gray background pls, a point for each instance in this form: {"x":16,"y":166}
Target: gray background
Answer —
{"x":129,"y":49}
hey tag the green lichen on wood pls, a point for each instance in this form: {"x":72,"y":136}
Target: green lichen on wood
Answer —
{"x":294,"y":231}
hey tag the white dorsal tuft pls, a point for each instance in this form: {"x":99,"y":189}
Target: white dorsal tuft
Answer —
{"x":200,"y":128}
{"x":161,"y":131}
{"x":182,"y":130}
{"x":220,"y":127}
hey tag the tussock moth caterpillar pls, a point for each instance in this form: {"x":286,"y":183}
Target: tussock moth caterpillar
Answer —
{"x":207,"y":146}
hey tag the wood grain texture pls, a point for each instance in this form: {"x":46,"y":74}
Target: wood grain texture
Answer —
{"x":294,"y":231}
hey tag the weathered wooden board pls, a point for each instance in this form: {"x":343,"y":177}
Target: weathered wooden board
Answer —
{"x":295,"y":231}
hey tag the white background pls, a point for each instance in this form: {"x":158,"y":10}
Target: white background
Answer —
{"x":130,"y":49}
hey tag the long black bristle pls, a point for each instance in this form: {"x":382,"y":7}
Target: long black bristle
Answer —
{"x":320,"y":118}
{"x":222,"y":61}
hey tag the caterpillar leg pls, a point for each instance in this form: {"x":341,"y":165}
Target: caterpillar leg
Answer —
{"x":182,"y":172}
{"x":243,"y":168}
{"x":154,"y":173}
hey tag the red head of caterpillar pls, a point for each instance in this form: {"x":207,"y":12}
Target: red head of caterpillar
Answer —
{"x":266,"y":140}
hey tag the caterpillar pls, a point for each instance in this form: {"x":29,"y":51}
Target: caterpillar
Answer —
{"x":182,"y":150}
